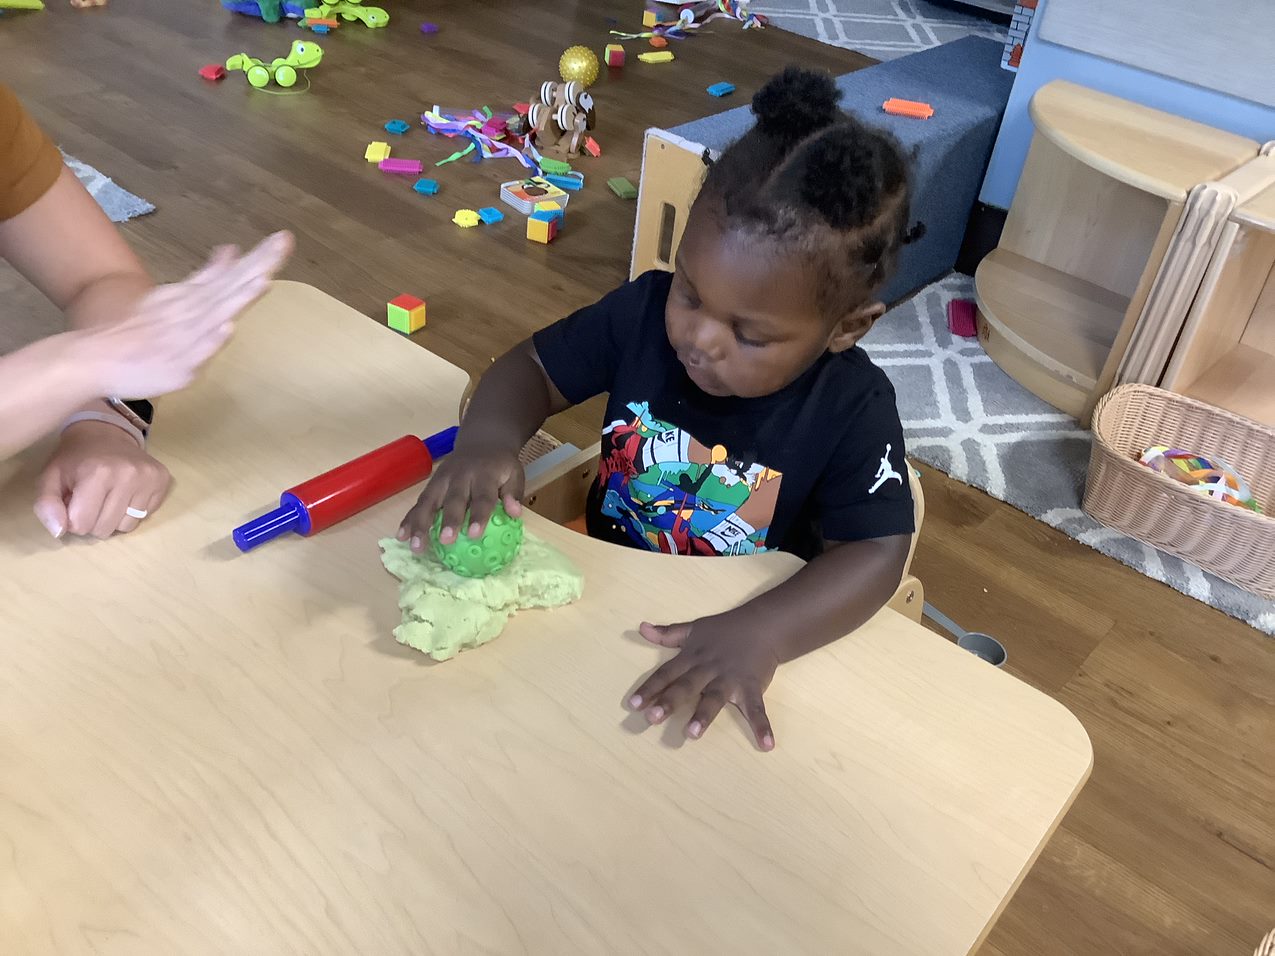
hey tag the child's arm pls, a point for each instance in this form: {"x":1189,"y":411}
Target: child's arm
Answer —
{"x":731,"y":657}
{"x":513,"y":399}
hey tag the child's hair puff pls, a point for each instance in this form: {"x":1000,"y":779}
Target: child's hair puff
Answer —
{"x":816,"y":180}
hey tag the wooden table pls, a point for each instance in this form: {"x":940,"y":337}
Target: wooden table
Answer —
{"x":208,"y":752}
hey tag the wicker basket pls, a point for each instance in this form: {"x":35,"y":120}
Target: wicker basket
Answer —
{"x":1232,"y":542}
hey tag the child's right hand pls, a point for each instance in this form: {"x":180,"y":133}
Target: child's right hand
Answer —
{"x":470,"y":479}
{"x":175,"y":329}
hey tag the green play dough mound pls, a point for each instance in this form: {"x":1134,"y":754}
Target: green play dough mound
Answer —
{"x":484,"y":555}
{"x":444,"y":613}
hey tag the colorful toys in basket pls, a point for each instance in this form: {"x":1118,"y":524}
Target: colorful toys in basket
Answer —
{"x":1212,"y":477}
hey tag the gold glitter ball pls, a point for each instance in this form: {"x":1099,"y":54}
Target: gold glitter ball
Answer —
{"x":579,"y":63}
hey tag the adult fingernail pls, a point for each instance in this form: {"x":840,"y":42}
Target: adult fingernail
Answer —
{"x":53,"y":528}
{"x":695,"y":728}
{"x":635,"y":702}
{"x":655,"y":714}
{"x":767,"y":742}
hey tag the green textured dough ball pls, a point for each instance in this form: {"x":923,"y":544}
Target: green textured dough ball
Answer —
{"x":479,"y":557}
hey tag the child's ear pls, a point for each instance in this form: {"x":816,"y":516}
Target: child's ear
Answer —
{"x":854,"y":326}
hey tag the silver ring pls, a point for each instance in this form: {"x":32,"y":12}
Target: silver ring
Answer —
{"x":137,"y":513}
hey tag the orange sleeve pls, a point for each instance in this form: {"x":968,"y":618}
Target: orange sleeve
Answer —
{"x":29,"y":162}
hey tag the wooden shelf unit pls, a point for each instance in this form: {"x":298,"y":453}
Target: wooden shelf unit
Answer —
{"x":1226,"y":353}
{"x":1100,"y":197}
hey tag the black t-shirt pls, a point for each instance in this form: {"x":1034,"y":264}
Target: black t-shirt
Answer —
{"x":689,"y":473}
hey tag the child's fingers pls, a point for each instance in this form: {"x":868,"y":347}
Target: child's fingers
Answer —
{"x":512,"y":490}
{"x":482,"y":502}
{"x":711,"y":701}
{"x":417,"y":522}
{"x":677,"y":694}
{"x":751,"y":706}
{"x":649,"y":690}
{"x":455,"y":504}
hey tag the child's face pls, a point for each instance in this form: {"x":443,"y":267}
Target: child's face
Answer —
{"x":743,"y":316}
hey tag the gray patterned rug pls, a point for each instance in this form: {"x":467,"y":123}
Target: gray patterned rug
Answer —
{"x":966,"y":417}
{"x":116,"y":201}
{"x":883,"y":29}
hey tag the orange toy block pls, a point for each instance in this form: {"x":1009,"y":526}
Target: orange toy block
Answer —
{"x":910,"y":108}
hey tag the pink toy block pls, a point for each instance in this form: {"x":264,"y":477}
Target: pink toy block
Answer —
{"x":960,"y":318}
{"x":406,"y":167}
{"x":591,"y":147}
{"x":213,"y":72}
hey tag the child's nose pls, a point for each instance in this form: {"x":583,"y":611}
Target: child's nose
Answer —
{"x":708,"y":342}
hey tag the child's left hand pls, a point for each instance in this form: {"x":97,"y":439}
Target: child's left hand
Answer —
{"x":95,"y":474}
{"x":720,"y":662}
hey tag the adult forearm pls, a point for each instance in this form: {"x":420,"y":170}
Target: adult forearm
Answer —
{"x":40,"y":386}
{"x":511,"y":402}
{"x":828,"y":598}
{"x":108,"y":299}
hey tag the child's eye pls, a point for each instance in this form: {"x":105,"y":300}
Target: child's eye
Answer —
{"x":690,"y":298}
{"x":745,"y":340}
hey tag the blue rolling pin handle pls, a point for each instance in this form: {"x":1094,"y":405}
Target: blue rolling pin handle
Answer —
{"x":289,"y":516}
{"x":442,"y":443}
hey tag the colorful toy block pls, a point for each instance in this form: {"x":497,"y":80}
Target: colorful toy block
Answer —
{"x":572,"y":182}
{"x":659,"y":56}
{"x":622,"y":187}
{"x":591,"y":147}
{"x":213,"y":72}
{"x":650,"y":18}
{"x":320,"y":28}
{"x":429,"y":28}
{"x":466,"y":218}
{"x":401,"y":167}
{"x":376,"y":152}
{"x":613,"y":55}
{"x":490,"y":215}
{"x":496,"y":127}
{"x":426,"y":187}
{"x":397,"y":127}
{"x":541,"y":230}
{"x":406,"y":314}
{"x":552,"y":210}
{"x":721,"y":89}
{"x":555,"y":166}
{"x":658,"y":42}
{"x":911,"y":108}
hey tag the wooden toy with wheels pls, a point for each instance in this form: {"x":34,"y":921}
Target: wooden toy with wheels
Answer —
{"x":304,"y":55}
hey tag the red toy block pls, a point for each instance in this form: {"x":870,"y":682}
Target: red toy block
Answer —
{"x":213,"y":72}
{"x":591,"y":147}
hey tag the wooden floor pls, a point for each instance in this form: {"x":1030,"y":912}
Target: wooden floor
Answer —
{"x":1170,"y":848}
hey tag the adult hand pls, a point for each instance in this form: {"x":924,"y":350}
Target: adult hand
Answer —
{"x":96,"y":473}
{"x":174,"y":329}
{"x":720,"y":661}
{"x":470,"y":479}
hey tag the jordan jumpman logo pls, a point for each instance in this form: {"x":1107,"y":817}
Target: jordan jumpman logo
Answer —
{"x":885,"y":472}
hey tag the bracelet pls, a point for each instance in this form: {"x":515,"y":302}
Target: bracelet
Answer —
{"x":107,"y":418}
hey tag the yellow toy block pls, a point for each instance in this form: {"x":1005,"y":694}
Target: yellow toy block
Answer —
{"x":659,"y":56}
{"x":650,"y":18}
{"x":541,"y":230}
{"x":377,"y":152}
{"x":406,"y":314}
{"x":548,"y":205}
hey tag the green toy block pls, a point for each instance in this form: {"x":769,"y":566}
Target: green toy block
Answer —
{"x":622,"y":187}
{"x":554,"y":167}
{"x":406,"y":314}
{"x":481,"y":556}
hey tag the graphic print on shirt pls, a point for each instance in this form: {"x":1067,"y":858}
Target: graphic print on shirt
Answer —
{"x":672,"y":493}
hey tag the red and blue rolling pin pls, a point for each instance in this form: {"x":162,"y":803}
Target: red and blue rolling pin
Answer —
{"x":347,"y":489}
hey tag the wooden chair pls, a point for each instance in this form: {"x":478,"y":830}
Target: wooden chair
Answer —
{"x":560,"y":494}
